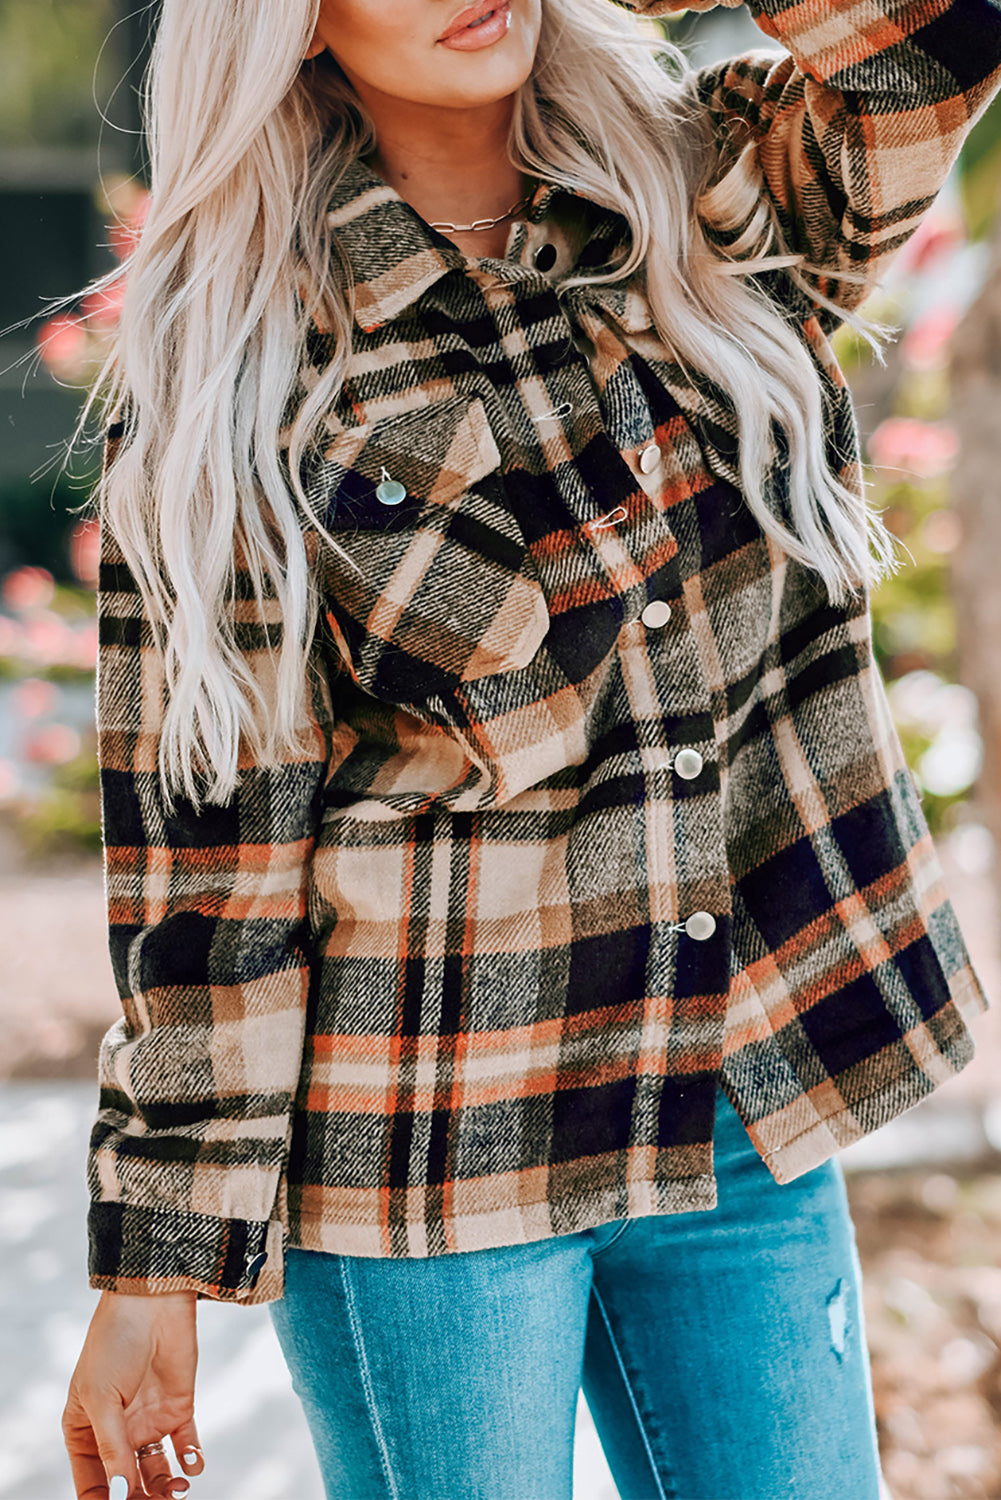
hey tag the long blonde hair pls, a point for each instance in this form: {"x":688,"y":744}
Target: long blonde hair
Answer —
{"x":236,"y":260}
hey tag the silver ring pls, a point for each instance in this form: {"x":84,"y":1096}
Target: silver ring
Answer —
{"x":148,"y":1449}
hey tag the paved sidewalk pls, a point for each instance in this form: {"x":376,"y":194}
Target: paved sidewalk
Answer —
{"x":253,"y":1431}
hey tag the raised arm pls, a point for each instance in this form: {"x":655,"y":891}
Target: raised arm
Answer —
{"x":857,"y":128}
{"x":207,"y":917}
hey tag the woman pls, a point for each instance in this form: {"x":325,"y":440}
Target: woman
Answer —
{"x":517,"y":891}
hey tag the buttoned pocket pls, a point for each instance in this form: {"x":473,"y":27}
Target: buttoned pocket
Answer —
{"x":437,"y":586}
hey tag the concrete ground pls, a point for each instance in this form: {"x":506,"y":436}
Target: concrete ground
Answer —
{"x":253,"y":1431}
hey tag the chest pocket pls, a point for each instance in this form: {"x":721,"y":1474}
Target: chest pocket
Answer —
{"x":440,"y":588}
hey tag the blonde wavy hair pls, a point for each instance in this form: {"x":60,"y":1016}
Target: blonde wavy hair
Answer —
{"x":236,"y":261}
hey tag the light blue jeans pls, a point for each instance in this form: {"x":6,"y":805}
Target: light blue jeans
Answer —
{"x":722,"y":1354}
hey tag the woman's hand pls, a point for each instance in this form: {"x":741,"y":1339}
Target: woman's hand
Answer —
{"x":134,"y":1383}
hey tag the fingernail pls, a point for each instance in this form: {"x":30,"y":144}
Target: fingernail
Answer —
{"x":179,"y":1492}
{"x":119,"y":1489}
{"x":191,"y":1455}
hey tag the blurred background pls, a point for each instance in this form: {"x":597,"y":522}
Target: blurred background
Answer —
{"x":925,"y":1191}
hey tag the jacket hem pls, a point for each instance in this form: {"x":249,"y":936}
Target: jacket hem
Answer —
{"x":824,"y":1138}
{"x":522,"y":1223}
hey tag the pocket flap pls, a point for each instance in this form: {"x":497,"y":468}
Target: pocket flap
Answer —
{"x":435,"y":453}
{"x":436,"y":588}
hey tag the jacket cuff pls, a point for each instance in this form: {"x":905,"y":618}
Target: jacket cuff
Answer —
{"x":671,"y":7}
{"x":826,"y":51}
{"x":146,"y":1251}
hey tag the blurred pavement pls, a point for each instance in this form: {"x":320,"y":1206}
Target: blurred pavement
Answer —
{"x":255,"y":1438}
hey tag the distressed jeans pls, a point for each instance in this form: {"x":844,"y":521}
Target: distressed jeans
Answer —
{"x":722,"y":1354}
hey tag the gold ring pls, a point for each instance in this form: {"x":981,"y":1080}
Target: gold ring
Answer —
{"x":148,"y":1449}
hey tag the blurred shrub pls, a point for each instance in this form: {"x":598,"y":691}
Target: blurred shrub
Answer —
{"x":910,"y":448}
{"x":37,"y":523}
{"x":48,"y":652}
{"x":65,"y":818}
{"x":47,"y":90}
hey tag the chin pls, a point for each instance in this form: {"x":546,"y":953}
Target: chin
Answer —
{"x":480,"y":83}
{"x":457,"y":97}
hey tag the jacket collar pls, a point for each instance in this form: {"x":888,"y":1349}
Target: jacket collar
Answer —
{"x":393,"y":254}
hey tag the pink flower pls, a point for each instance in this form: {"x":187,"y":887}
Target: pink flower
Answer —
{"x":925,"y":345}
{"x":939,"y":233}
{"x":9,"y":781}
{"x":53,"y":746}
{"x":103,"y":308}
{"x":123,"y":235}
{"x":34,"y":697}
{"x":941,"y":531}
{"x":920,"y":450}
{"x":49,"y":639}
{"x":28,"y":589}
{"x":84,"y":550}
{"x":62,"y":343}
{"x":85,"y":647}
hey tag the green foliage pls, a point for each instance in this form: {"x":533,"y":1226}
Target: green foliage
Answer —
{"x":912,"y":610}
{"x":980,"y":173}
{"x":66,"y":818}
{"x":36,"y":520}
{"x":48,"y":50}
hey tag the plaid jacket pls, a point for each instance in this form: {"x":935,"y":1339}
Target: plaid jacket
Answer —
{"x":604,"y":804}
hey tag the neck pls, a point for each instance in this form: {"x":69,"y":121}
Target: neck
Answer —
{"x":448,"y":164}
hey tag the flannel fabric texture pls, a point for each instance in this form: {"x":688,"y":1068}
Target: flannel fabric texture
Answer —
{"x":604,"y":801}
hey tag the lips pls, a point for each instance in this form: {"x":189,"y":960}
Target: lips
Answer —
{"x":470,"y":14}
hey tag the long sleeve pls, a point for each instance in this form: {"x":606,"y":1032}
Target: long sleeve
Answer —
{"x":207,"y":929}
{"x":857,"y":128}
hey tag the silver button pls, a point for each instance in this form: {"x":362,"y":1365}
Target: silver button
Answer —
{"x":656,"y":614}
{"x":700,"y":925}
{"x":688,"y":763}
{"x":391,"y":492}
{"x":650,"y":458}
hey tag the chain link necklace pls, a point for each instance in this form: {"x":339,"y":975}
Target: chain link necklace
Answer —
{"x":487,"y":223}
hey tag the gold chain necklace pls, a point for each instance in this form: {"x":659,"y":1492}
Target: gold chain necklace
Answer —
{"x":487,"y":223}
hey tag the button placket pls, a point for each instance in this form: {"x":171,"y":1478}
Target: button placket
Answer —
{"x":700,"y":925}
{"x":632,"y":540}
{"x":688,"y":764}
{"x":647,"y":464}
{"x":656,"y":614}
{"x":544,"y":258}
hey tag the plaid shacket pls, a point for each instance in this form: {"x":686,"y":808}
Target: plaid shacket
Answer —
{"x":604,"y":803}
